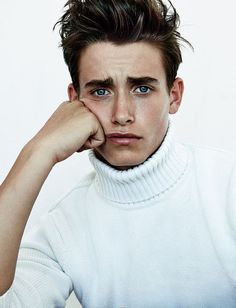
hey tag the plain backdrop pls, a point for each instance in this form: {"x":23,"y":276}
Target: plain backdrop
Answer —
{"x":34,"y":79}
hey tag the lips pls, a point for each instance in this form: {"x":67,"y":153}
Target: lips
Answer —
{"x":122,"y":138}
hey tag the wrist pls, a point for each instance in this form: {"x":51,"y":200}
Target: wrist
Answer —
{"x":40,"y":152}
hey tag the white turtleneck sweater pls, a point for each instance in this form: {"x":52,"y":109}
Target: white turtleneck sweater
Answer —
{"x":159,"y":235}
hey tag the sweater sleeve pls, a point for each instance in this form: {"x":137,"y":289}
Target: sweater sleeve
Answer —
{"x":40,"y":281}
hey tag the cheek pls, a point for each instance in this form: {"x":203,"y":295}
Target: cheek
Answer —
{"x":151,"y":114}
{"x":101,"y":112}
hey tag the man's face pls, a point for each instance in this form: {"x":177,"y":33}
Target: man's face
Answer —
{"x":125,"y":87}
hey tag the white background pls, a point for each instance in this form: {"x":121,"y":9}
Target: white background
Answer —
{"x":34,"y":78}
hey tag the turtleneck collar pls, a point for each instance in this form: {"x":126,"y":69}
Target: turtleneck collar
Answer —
{"x":151,"y":179}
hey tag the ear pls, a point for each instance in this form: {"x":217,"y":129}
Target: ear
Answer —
{"x":72,"y":94}
{"x":176,"y":94}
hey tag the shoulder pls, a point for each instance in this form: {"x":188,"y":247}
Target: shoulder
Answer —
{"x":65,"y":216}
{"x":69,"y":211}
{"x":75,"y":195}
{"x":212,"y":151}
{"x":214,"y":173}
{"x":214,"y":169}
{"x":210,"y":157}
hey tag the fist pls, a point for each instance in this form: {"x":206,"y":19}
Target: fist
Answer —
{"x":71,"y":128}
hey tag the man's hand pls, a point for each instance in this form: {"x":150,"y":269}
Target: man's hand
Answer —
{"x":71,"y":128}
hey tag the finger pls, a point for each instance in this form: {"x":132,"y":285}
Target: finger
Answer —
{"x":90,"y":144}
{"x":97,"y":139}
{"x":93,"y":143}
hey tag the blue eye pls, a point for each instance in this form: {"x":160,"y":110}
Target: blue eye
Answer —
{"x":100,"y":92}
{"x":143,"y":89}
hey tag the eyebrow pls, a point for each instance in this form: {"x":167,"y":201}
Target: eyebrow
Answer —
{"x":109,"y":82}
{"x":142,"y":80}
{"x":100,"y":83}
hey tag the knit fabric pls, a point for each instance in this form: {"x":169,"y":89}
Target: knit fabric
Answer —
{"x":161,"y":234}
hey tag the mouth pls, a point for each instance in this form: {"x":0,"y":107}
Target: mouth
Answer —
{"x":122,"y":138}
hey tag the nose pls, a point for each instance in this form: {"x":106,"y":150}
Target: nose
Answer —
{"x":123,"y":110}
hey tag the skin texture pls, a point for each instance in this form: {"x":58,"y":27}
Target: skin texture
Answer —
{"x":139,"y":108}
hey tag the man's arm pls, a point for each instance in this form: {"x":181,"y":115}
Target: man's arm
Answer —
{"x":71,"y":128}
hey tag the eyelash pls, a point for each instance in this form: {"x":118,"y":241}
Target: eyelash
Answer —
{"x":149,"y":89}
{"x":93,"y":92}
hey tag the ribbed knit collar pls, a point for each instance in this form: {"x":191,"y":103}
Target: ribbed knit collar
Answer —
{"x":151,"y":179}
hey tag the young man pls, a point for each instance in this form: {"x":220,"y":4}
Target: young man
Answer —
{"x":153,"y":226}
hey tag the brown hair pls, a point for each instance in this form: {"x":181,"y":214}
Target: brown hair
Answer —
{"x":120,"y":21}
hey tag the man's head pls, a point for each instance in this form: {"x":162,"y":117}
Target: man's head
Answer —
{"x":90,"y":21}
{"x":123,"y":57}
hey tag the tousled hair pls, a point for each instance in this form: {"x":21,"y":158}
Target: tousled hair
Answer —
{"x":85,"y":22}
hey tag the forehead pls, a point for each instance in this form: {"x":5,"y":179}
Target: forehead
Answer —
{"x":106,"y":60}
